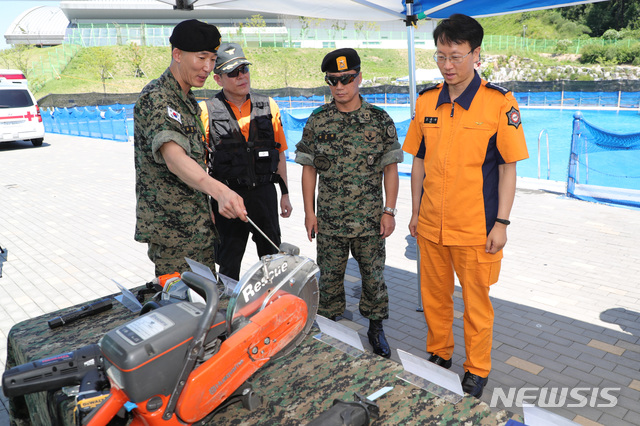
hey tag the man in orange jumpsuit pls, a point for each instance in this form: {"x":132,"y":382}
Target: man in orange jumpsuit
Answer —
{"x":466,"y":137}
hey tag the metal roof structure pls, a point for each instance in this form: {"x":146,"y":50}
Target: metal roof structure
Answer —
{"x":47,"y":25}
{"x":40,"y":25}
{"x":149,"y":11}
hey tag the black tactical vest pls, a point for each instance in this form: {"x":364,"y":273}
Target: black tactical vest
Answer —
{"x":236,"y":162}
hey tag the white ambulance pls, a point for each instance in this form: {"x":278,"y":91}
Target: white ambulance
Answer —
{"x":20,"y":117}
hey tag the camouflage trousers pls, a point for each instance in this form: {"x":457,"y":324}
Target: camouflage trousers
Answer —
{"x":171,"y":259}
{"x":332,"y":257}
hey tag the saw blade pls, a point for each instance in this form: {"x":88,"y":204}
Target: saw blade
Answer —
{"x":267,"y":278}
{"x":310,"y":295}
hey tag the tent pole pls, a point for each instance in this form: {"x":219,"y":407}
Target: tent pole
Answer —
{"x":410,"y":21}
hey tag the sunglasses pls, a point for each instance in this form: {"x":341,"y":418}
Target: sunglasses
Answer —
{"x":344,"y":79}
{"x":244,"y":69}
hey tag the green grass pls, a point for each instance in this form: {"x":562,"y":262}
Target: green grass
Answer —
{"x":541,"y":24}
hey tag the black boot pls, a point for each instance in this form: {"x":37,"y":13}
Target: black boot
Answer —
{"x":377,"y":339}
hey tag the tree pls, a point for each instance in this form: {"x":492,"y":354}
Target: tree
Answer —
{"x":602,"y":16}
{"x":103,"y":62}
{"x":17,"y":58}
{"x":337,"y":27}
{"x":307,"y":23}
{"x":136,"y":60}
{"x":256,"y":21}
{"x":363,"y":27}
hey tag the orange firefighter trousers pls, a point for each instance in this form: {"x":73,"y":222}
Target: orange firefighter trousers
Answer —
{"x":476,"y":271}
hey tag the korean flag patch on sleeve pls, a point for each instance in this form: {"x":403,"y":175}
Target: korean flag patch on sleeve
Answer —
{"x":174,"y":114}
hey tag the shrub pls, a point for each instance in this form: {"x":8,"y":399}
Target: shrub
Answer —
{"x":611,"y":54}
{"x":487,"y":73}
{"x":570,"y":30}
{"x":554,"y":18}
{"x":635,"y":50}
{"x":584,"y":77}
{"x":624,"y":55}
{"x":592,"y":54}
{"x":562,"y":46}
{"x":611,"y":34}
{"x":552,"y":76}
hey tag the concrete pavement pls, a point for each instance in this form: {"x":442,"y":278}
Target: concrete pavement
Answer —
{"x":567,"y":304}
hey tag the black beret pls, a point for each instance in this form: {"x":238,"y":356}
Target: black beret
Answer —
{"x":341,"y":60}
{"x":195,"y":36}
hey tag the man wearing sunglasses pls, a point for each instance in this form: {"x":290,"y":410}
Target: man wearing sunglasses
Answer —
{"x":248,"y":145}
{"x":353,"y":147}
{"x":466,"y":137}
{"x":172,"y":185}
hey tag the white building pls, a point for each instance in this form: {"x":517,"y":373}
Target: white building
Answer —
{"x":149,"y":22}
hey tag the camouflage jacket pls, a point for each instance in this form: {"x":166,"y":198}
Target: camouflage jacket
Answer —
{"x":168,"y":211}
{"x":349,"y":152}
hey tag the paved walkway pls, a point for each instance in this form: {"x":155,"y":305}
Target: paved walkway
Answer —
{"x":567,"y":303}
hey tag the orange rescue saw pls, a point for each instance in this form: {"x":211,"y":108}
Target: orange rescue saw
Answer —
{"x":180,"y":363}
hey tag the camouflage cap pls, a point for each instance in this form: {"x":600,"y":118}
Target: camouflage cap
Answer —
{"x":195,"y":36}
{"x":230,"y":57}
{"x":341,"y":60}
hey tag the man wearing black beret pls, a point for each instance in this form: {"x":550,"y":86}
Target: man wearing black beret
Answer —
{"x":352,"y":146}
{"x":341,"y":60}
{"x":172,"y":185}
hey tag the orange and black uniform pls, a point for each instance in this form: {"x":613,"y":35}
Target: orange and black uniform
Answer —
{"x":245,"y":156}
{"x":462,"y":143}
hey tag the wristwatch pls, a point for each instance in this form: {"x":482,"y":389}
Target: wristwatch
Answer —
{"x":390,"y":211}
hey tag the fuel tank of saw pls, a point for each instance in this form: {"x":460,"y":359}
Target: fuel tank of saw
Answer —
{"x":146,"y":354}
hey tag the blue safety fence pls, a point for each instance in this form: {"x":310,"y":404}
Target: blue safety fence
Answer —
{"x":579,"y":99}
{"x":299,"y":101}
{"x":387,"y":98}
{"x":316,"y":101}
{"x":113,"y":122}
{"x":603,"y":164}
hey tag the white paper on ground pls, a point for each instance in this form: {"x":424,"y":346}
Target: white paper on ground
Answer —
{"x":536,"y":416}
{"x":200,"y":269}
{"x":340,"y":332}
{"x":431,"y":372}
{"x":127,"y":298}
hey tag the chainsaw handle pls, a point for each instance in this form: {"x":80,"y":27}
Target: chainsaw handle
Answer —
{"x":207,"y":289}
{"x":199,"y":284}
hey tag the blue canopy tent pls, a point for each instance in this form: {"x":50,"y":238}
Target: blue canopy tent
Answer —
{"x":409,"y":11}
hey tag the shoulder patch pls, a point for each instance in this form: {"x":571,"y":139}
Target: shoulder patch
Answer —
{"x":513,"y":117}
{"x":500,"y":89}
{"x":376,"y":107}
{"x":174,"y":114}
{"x":320,"y":108}
{"x":426,"y":89}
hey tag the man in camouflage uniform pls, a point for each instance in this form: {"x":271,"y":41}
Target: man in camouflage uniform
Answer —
{"x":352,"y":145}
{"x":172,"y":210}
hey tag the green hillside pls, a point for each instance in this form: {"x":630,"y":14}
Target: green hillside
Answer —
{"x":112,"y":69}
{"x":272,"y":68}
